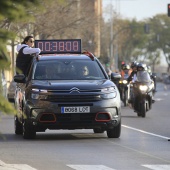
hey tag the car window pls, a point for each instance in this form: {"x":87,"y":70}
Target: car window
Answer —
{"x":68,"y":70}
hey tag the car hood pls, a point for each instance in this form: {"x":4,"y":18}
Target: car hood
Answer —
{"x":67,"y":84}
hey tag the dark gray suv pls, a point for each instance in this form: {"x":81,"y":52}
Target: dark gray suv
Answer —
{"x":67,"y":91}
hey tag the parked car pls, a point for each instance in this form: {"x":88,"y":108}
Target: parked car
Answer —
{"x":11,"y":91}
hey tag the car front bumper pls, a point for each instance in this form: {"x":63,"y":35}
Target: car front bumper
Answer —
{"x":104,"y":114}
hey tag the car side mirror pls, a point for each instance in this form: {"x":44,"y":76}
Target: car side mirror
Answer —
{"x":115,"y":77}
{"x":20,"y":78}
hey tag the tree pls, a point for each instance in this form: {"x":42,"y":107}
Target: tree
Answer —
{"x":61,"y":19}
{"x":58,"y":19}
{"x":160,"y":35}
{"x":11,"y":11}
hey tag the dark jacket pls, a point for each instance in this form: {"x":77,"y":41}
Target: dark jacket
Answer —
{"x":131,"y":76}
{"x":23,"y":61}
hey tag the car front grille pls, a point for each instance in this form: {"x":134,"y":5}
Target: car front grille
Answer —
{"x":73,"y":98}
{"x":82,"y":117}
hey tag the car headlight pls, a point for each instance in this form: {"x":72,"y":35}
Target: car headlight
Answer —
{"x":39,"y":90}
{"x":36,"y":94}
{"x":109,"y":93}
{"x":143,"y":88}
{"x":108,"y":89}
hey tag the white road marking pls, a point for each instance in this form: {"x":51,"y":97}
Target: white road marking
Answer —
{"x":142,"y":131}
{"x":158,"y":99}
{"x":4,"y":166}
{"x":158,"y":167}
{"x":90,"y":167}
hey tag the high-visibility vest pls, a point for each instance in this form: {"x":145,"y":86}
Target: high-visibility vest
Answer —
{"x":122,"y":72}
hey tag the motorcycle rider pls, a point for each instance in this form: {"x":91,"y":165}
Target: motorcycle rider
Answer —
{"x":125,"y":70}
{"x":142,"y":70}
{"x":132,"y":76}
{"x":123,"y":83}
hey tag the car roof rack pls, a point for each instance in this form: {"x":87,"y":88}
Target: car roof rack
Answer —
{"x":89,"y":54}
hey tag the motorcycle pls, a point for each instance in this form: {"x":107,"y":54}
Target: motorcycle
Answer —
{"x":123,"y":89}
{"x":140,"y":93}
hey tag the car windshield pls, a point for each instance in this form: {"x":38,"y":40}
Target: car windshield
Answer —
{"x":68,"y":70}
{"x":143,"y":76}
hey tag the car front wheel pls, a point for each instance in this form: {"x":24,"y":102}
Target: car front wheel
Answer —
{"x":115,"y":132}
{"x":18,"y":126}
{"x":28,"y":131}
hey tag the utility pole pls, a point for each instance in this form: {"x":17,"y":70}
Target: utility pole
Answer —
{"x":111,"y":34}
{"x":13,"y":57}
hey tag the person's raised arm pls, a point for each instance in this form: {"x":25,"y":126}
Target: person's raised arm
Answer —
{"x":28,"y":50}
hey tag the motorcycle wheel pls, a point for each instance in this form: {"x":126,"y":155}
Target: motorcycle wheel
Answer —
{"x":125,"y":100}
{"x":143,"y":109}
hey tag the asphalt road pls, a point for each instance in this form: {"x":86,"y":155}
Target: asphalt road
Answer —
{"x":143,"y":144}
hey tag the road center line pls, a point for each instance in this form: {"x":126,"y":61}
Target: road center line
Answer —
{"x":89,"y":167}
{"x":142,"y":131}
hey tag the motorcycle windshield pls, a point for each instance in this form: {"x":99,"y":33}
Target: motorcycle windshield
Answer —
{"x":143,"y":77}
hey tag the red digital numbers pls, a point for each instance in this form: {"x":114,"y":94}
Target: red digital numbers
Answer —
{"x":68,"y":46}
{"x":75,"y":46}
{"x":40,"y":45}
{"x":55,"y":47}
{"x":47,"y":46}
{"x":59,"y":46}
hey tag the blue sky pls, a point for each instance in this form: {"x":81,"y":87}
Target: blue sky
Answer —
{"x":139,"y":9}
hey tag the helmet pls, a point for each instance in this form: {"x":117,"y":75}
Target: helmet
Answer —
{"x":141,"y":67}
{"x":125,"y":67}
{"x":134,"y":64}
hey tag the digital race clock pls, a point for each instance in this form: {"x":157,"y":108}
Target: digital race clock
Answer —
{"x":59,"y":46}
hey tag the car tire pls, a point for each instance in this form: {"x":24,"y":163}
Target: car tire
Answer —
{"x":18,"y":126}
{"x":115,"y":132}
{"x":28,"y":131}
{"x":98,"y":130}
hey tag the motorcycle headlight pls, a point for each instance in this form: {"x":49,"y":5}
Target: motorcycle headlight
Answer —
{"x":143,"y":88}
{"x":125,"y":81}
{"x":120,"y":81}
